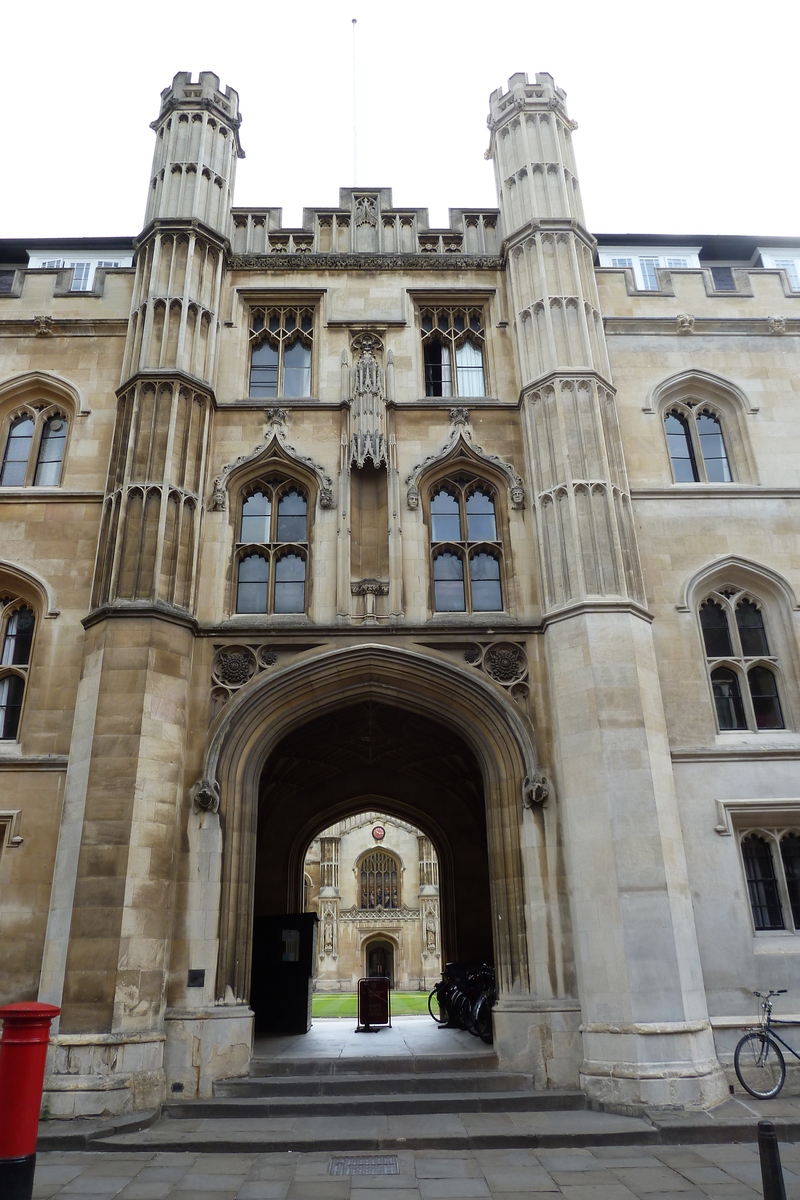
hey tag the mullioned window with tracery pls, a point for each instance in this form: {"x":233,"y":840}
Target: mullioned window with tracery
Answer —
{"x":466,"y":551}
{"x":742,"y":668}
{"x":453,"y":348}
{"x":33,"y":444}
{"x":281,"y":345}
{"x":272,"y":548}
{"x":379,"y":876}
{"x":17,"y":625}
{"x":696,"y":444}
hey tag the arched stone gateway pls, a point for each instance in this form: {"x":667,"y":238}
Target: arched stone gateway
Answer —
{"x":500,"y":738}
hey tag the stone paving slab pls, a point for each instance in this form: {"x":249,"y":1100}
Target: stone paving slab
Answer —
{"x":680,"y":1172}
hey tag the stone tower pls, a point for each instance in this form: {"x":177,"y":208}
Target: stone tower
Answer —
{"x":107,"y":964}
{"x":636,"y":947}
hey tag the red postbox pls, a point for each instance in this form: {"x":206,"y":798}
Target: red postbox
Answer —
{"x":23,"y":1051}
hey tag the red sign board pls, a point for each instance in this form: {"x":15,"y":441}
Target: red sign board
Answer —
{"x":373,"y":1003}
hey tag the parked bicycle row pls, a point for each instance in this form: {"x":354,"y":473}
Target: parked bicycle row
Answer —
{"x":464,"y":999}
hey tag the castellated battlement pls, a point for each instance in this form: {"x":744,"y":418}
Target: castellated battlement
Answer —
{"x":543,"y":94}
{"x":205,"y":92}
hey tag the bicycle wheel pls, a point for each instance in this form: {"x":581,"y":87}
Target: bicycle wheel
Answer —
{"x":482,"y":1017}
{"x":436,"y":1008}
{"x":759,"y":1065}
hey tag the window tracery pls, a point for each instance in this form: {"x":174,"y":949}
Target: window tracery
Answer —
{"x":272,"y":548}
{"x":696,"y":445}
{"x":453,"y":341}
{"x":742,"y":669}
{"x":33,"y":450}
{"x":465,"y":548}
{"x":379,"y":876}
{"x":281,"y":344}
{"x":17,"y":625}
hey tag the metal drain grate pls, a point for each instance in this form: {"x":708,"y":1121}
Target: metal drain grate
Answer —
{"x":365,"y":1164}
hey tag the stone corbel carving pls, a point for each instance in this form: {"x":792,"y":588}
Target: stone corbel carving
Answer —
{"x":685,"y":323}
{"x":535,"y":792}
{"x":777,"y":325}
{"x":274,"y":444}
{"x":459,"y":442}
{"x":205,"y":796}
{"x":44,"y":326}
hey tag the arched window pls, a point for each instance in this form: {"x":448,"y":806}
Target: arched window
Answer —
{"x":379,"y":876}
{"x":696,"y":445}
{"x":281,"y":341}
{"x":465,"y":548}
{"x":453,"y":342}
{"x":17,"y":624}
{"x":34,"y":449}
{"x":272,"y":549}
{"x":742,"y":670}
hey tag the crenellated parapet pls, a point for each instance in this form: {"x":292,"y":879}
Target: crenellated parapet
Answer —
{"x":197,"y":145}
{"x":364,"y":222}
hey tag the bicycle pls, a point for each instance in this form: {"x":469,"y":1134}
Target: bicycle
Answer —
{"x":758,"y":1060}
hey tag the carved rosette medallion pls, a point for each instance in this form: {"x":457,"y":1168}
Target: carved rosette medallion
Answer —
{"x":504,"y":662}
{"x":232,"y":667}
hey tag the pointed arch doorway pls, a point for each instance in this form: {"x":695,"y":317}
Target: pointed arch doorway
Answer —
{"x":375,"y":756}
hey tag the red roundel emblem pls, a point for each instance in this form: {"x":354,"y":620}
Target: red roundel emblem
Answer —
{"x":379,"y":833}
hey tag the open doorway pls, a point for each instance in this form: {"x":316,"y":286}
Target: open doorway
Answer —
{"x":378,"y":765}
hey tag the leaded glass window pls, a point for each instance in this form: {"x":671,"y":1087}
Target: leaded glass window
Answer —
{"x":453,"y":342}
{"x":742,"y":668}
{"x":696,"y":445}
{"x":281,"y":345}
{"x":465,"y":548}
{"x":380,"y":880}
{"x":272,"y":548}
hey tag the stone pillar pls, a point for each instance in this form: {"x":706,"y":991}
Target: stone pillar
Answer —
{"x":646,"y":1035}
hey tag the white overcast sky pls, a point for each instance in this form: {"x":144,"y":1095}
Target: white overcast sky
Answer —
{"x":688,"y":113}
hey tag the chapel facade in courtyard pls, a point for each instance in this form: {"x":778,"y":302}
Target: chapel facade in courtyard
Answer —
{"x":492,"y":529}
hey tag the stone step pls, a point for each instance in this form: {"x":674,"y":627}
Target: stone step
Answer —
{"x":356,"y":1084}
{"x":354,"y":1106}
{"x":378,"y":1064}
{"x":381,"y":1133}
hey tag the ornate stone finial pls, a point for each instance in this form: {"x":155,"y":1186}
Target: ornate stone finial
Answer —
{"x":205,"y":796}
{"x":777,"y":325}
{"x":459,"y":416}
{"x":366,"y":210}
{"x":685,"y":323}
{"x":535,"y":792}
{"x":44,"y":326}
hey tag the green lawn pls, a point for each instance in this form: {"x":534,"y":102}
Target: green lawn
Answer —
{"x":345,"y":1004}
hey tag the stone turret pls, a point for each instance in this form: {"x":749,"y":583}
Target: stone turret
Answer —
{"x":585,"y":529}
{"x":150,"y":536}
{"x":197,"y":145}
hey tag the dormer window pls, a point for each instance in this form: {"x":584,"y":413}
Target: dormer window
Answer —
{"x":645,"y":261}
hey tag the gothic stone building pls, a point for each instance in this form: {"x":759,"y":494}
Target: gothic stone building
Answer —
{"x":373,"y":881}
{"x":492,"y":529}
